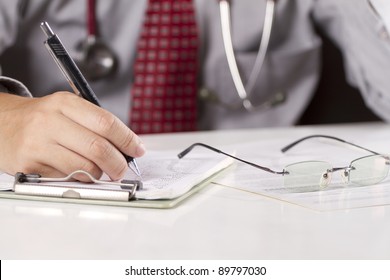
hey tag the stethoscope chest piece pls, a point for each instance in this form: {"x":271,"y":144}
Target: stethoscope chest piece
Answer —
{"x":98,"y":61}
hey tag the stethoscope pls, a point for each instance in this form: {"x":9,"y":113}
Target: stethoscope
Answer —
{"x":243,"y":91}
{"x":99,"y":61}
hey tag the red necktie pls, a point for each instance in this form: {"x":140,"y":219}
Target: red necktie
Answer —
{"x":164,"y":93}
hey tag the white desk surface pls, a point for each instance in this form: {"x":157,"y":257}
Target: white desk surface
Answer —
{"x":215,"y":223}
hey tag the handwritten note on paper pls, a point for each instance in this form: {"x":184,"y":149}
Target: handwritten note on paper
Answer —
{"x":164,"y":176}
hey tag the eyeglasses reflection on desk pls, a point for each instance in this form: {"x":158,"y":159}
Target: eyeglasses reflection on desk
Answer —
{"x":316,"y":175}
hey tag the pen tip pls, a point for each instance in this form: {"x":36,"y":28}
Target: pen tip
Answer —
{"x":134,"y":166}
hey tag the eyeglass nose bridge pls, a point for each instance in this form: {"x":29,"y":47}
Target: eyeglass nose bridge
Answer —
{"x":345,"y":172}
{"x":327,"y":176}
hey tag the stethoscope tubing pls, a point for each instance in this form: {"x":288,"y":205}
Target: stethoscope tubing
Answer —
{"x":91,"y":18}
{"x":244,"y":91}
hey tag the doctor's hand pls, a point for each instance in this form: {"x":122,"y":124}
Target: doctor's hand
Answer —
{"x":60,"y":133}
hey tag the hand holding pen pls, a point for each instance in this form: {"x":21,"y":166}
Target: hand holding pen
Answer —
{"x":81,"y":88}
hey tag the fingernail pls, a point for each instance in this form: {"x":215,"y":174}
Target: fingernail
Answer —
{"x":140,"y":149}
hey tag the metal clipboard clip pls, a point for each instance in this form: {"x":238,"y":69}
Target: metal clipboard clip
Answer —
{"x":34,"y":184}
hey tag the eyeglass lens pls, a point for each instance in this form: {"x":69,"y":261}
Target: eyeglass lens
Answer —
{"x":315,"y":175}
{"x":307,"y":174}
{"x":369,"y":170}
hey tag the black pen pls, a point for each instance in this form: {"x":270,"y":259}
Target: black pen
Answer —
{"x":72,"y":73}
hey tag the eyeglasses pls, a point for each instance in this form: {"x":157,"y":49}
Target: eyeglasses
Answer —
{"x":316,"y":175}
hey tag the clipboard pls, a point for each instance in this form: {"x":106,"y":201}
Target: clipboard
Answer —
{"x":139,"y":203}
{"x":203,"y":181}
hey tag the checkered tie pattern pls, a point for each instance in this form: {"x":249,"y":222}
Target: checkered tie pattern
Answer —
{"x":164,"y":92}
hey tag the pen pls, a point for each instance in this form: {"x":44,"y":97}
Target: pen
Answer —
{"x":72,"y":73}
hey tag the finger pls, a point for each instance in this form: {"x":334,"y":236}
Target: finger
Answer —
{"x":67,"y":161}
{"x":91,"y":146}
{"x":50,"y":172}
{"x":56,"y":161}
{"x":104,"y":124}
{"x":60,"y":163}
{"x":41,"y":169}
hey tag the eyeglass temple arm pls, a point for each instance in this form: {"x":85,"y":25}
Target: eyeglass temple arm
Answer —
{"x":288,"y":147}
{"x":186,"y":151}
